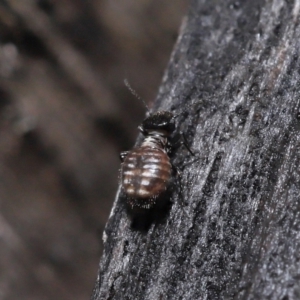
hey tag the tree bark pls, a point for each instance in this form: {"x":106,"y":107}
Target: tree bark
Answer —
{"x":234,"y":75}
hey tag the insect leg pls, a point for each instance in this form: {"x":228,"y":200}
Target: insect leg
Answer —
{"x":178,"y":174}
{"x":185,"y":143}
{"x":182,"y":140}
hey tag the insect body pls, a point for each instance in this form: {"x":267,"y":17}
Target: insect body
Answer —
{"x":146,"y":170}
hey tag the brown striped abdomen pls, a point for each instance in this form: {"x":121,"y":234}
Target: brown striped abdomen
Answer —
{"x":145,"y":173}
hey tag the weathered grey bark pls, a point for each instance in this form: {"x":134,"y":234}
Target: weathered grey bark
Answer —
{"x":241,"y":239}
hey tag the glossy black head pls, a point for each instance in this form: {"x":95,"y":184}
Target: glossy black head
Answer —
{"x":161,"y":120}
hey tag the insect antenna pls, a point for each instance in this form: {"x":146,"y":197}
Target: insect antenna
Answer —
{"x":134,"y":93}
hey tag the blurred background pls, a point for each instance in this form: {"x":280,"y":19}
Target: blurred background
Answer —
{"x":65,"y":114}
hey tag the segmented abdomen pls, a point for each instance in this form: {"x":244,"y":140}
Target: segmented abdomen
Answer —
{"x":145,"y":173}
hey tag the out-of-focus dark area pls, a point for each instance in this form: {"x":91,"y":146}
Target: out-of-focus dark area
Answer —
{"x":65,"y":114}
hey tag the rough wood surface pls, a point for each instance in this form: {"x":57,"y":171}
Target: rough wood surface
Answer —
{"x":239,"y":60}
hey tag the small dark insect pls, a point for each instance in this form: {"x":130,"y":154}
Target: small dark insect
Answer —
{"x":146,"y":170}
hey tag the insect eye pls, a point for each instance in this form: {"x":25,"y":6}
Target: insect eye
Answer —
{"x":161,"y":120}
{"x":168,"y":126}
